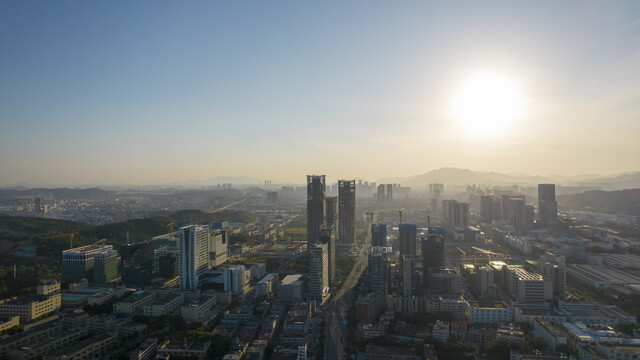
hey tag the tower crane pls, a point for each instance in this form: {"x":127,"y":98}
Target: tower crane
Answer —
{"x":400,"y":212}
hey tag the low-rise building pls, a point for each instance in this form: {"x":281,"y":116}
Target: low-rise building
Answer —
{"x":135,"y":303}
{"x":8,"y":322}
{"x":164,"y":304}
{"x":145,"y":351}
{"x":510,"y":333}
{"x":553,"y":336}
{"x":94,"y":347}
{"x":30,"y":307}
{"x":440,"y":331}
{"x":199,"y":310}
{"x":376,"y":352}
{"x":186,"y":349}
{"x":267,"y":286}
{"x":291,"y":288}
{"x":494,"y":312}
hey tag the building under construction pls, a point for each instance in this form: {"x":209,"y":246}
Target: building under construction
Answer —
{"x":98,"y":263}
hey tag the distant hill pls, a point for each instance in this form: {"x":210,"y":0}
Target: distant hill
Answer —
{"x":65,"y":193}
{"x":465,"y":177}
{"x":468,"y":177}
{"x":621,"y":202}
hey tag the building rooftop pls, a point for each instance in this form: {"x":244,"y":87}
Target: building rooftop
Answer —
{"x":291,"y":279}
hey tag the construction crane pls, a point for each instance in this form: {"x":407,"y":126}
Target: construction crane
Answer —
{"x":71,"y":239}
{"x":170,"y":226}
{"x":464,"y":254}
{"x":400,"y":212}
{"x":100,"y":241}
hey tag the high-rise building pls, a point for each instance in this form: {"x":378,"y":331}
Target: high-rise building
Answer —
{"x":484,"y":281}
{"x":407,"y":239}
{"x":105,"y":267}
{"x":37,"y":206}
{"x":381,"y":198}
{"x":433,"y":256}
{"x":378,"y":235}
{"x":328,"y":237}
{"x":272,"y":197}
{"x":331,"y":210}
{"x":380,"y":269}
{"x":318,"y":271}
{"x":553,"y":267}
{"x":193,"y":255}
{"x":236,"y":279}
{"x":455,"y":213}
{"x":315,"y":207}
{"x":525,"y":286}
{"x":486,"y":208}
{"x":92,"y":262}
{"x":445,"y":281}
{"x":347,"y":211}
{"x":410,"y":275}
{"x":218,"y":243}
{"x":518,"y":214}
{"x":389,"y":193}
{"x":547,"y":205}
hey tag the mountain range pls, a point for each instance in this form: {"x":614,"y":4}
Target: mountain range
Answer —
{"x":458,"y":176}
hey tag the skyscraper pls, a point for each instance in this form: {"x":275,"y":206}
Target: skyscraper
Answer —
{"x":193,"y":255}
{"x":518,"y":214}
{"x":315,"y":207}
{"x":331,"y":210}
{"x":236,"y":279}
{"x":433,"y":256}
{"x":318,"y":270}
{"x":547,"y":205}
{"x":455,"y":213}
{"x":379,"y":269}
{"x":218,"y":241}
{"x":553,"y":267}
{"x":37,"y":206}
{"x":407,"y":239}
{"x":347,"y":211}
{"x":328,"y":237}
{"x":381,"y":197}
{"x":486,"y":208}
{"x":378,"y":235}
{"x":389,"y":193}
{"x":410,"y":275}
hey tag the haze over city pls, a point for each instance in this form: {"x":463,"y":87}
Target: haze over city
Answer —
{"x":165,"y":92}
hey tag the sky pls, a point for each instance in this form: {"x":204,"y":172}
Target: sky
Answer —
{"x":155,"y":92}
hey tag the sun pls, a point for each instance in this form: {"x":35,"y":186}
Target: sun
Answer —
{"x":487,"y":103}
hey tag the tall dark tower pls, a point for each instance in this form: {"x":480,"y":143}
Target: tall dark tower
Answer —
{"x":347,"y":211}
{"x":381,"y":198}
{"x":547,"y":205}
{"x":315,"y":207}
{"x":331,"y":211}
{"x":378,"y":235}
{"x":486,"y":208}
{"x":407,"y":239}
{"x":433,"y":256}
{"x":389,"y":193}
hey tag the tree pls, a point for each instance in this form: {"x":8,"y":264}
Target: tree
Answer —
{"x":537,"y":343}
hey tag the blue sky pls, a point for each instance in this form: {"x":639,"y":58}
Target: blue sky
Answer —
{"x":154,"y":92}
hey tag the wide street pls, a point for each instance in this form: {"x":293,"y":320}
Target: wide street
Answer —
{"x":335,"y":311}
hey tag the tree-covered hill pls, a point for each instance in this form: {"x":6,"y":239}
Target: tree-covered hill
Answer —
{"x":621,"y":202}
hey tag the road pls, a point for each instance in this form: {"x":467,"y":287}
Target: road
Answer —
{"x":335,"y":311}
{"x":230,"y":205}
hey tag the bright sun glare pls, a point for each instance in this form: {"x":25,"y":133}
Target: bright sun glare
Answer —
{"x":487,"y":103}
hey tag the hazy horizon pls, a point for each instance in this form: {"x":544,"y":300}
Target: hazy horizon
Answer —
{"x":161,"y":92}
